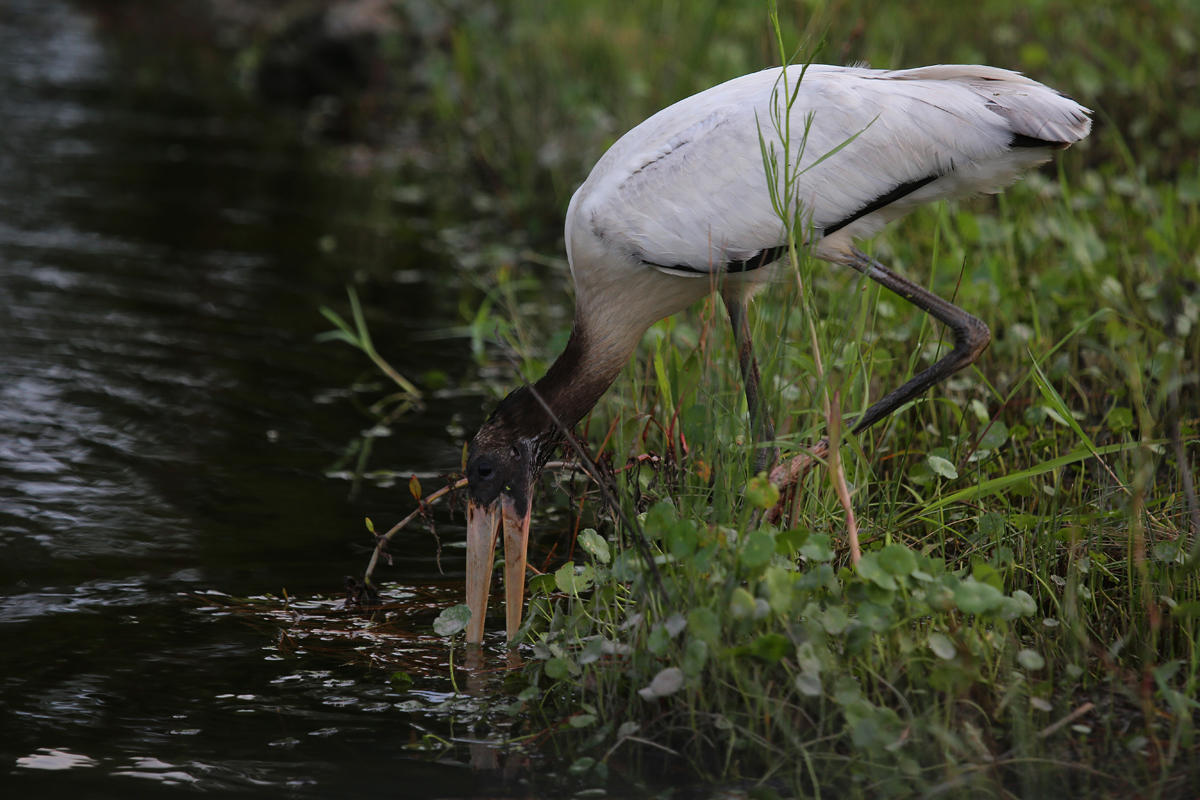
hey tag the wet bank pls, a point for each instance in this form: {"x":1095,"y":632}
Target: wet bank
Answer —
{"x":168,"y":425}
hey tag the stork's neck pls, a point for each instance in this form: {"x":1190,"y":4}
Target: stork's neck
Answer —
{"x":581,"y":374}
{"x":562,"y":397}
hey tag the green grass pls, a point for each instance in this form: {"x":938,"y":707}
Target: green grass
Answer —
{"x":1026,"y":531}
{"x":1030,"y":556}
{"x":1052,"y":562}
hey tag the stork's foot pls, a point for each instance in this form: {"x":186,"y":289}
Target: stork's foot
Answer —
{"x":787,"y":477}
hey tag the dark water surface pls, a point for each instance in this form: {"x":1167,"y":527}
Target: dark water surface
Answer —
{"x":165,"y":428}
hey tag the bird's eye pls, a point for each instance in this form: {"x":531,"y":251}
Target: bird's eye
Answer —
{"x":484,"y":469}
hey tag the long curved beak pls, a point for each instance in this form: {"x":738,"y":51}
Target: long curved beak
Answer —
{"x":483,"y":525}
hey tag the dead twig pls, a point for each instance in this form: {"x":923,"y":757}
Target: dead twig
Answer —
{"x":838,"y":476}
{"x":381,"y":540}
{"x":1055,"y":727}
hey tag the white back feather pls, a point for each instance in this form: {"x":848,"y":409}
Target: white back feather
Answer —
{"x":687,"y":187}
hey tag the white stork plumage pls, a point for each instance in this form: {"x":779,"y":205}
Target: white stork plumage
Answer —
{"x":680,"y":205}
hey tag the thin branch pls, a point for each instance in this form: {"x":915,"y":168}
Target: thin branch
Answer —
{"x":837,"y":475}
{"x":382,"y":541}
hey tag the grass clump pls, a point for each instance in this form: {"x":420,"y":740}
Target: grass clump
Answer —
{"x":748,"y":665}
{"x":1023,"y":620}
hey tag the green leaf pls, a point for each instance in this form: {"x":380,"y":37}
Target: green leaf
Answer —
{"x":941,"y":646}
{"x":857,"y":638}
{"x":881,"y":727}
{"x":1055,"y":404}
{"x":595,"y":544}
{"x":1188,"y":610}
{"x":973,"y":597}
{"x":808,"y":683}
{"x":1119,"y":420}
{"x":940,"y":595}
{"x":666,"y":682}
{"x":761,"y":493}
{"x":659,"y":519}
{"x":779,"y":589}
{"x":877,"y":618}
{"x":880,"y":596}
{"x":759,"y":548}
{"x":788,"y":542}
{"x":815,"y":578}
{"x":681,"y":538}
{"x":807,"y":658}
{"x":771,"y":647}
{"x":702,"y":560}
{"x":558,"y":668}
{"x":400,"y":681}
{"x":1165,"y":672}
{"x":898,"y":560}
{"x":994,"y":437}
{"x":741,"y":604}
{"x":846,"y":691}
{"x":658,"y":641}
{"x":984,"y":572}
{"x":435,"y":379}
{"x":695,"y":654}
{"x":628,"y":565}
{"x":452,"y":620}
{"x":592,"y":650}
{"x":817,"y":548}
{"x":339,"y":336}
{"x":628,"y":729}
{"x":1025,"y":602}
{"x":581,"y":720}
{"x":940,"y":466}
{"x":705,"y":625}
{"x":581,"y":766}
{"x":1030,"y":659}
{"x":1009,"y":609}
{"x":991,"y":526}
{"x":870,"y":569}
{"x":572,"y":581}
{"x":344,"y":332}
{"x":542,"y":584}
{"x":663,"y":379}
{"x":834,"y":620}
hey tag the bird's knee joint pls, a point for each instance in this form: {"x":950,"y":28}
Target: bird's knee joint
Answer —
{"x":975,"y":338}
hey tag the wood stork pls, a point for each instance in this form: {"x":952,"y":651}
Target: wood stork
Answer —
{"x":680,"y":207}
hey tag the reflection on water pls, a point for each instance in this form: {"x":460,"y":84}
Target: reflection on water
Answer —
{"x":161,"y":436}
{"x":46,"y":758}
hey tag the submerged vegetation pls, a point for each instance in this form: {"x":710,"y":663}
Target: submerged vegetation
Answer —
{"x":1025,"y":619}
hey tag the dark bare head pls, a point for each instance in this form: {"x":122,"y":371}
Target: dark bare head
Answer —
{"x":510,"y":449}
{"x":503,"y":461}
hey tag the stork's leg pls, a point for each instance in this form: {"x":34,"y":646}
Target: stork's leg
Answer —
{"x":971,"y":337}
{"x":762,"y":428}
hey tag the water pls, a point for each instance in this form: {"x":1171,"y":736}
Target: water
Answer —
{"x":166,"y":425}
